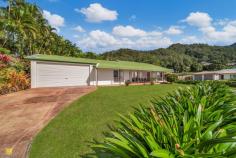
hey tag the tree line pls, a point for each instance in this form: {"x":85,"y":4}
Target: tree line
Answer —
{"x":24,"y":31}
{"x":181,"y":57}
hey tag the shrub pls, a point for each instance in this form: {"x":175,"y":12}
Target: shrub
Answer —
{"x":4,"y":51}
{"x":127,"y":82}
{"x":152,"y":81}
{"x":171,"y":77}
{"x":188,"y":81}
{"x":5,"y":59}
{"x":198,"y":121}
{"x":15,"y":81}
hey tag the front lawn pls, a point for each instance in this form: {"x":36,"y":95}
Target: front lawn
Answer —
{"x":69,"y":134}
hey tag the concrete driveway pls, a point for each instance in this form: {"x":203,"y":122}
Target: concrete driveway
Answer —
{"x":24,"y":114}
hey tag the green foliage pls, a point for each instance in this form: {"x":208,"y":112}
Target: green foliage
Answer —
{"x":171,"y":77}
{"x":4,"y":51}
{"x":231,"y":83}
{"x":24,"y":31}
{"x":195,"y":67}
{"x":195,"y":122}
{"x":180,"y":57}
{"x":215,"y":67}
{"x":188,"y":81}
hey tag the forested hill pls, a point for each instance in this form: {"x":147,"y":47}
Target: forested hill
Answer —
{"x":181,"y":57}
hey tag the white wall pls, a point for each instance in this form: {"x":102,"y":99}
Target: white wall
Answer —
{"x":126,"y":75}
{"x":217,"y":77}
{"x":92,"y":75}
{"x":33,"y":73}
{"x":226,"y":76}
{"x":105,"y":76}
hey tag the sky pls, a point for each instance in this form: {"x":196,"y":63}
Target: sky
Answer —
{"x":103,"y":25}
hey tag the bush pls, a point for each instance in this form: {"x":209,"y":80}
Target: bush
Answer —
{"x":152,"y":81}
{"x":4,"y":51}
{"x":5,"y":59}
{"x":171,"y":77}
{"x":231,"y":83}
{"x":188,"y":81}
{"x":127,"y":82}
{"x":198,"y":121}
{"x":15,"y":81}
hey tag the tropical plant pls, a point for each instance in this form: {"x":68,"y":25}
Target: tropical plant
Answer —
{"x":24,"y":31}
{"x":15,"y":81}
{"x":13,"y":74}
{"x":198,"y":121}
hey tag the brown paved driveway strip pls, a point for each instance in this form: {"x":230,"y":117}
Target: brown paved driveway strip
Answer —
{"x":24,"y":114}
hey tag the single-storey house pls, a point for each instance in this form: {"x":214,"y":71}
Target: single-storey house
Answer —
{"x":225,"y":74}
{"x":55,"y":71}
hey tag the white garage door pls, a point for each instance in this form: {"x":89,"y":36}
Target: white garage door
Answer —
{"x":57,"y":75}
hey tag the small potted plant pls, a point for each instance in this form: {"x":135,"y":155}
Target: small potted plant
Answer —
{"x":152,"y":81}
{"x":127,"y":82}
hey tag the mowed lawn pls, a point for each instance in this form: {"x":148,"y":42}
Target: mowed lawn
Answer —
{"x":69,"y":134}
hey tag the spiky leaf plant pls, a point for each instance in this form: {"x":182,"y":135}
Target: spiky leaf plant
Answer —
{"x":198,"y":121}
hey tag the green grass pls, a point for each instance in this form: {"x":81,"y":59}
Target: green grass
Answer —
{"x":69,"y":134}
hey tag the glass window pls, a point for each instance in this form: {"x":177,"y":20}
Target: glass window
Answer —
{"x":115,"y":73}
{"x":233,"y":76}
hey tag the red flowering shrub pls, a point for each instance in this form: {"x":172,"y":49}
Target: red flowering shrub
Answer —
{"x":5,"y":58}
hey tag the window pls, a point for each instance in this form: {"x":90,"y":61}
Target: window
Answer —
{"x":115,"y":73}
{"x":233,"y":76}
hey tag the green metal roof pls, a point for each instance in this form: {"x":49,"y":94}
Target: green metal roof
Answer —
{"x":123,"y":65}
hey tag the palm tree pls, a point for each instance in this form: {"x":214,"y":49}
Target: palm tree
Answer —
{"x":25,"y":31}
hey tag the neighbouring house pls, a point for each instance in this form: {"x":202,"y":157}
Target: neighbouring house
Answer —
{"x":184,"y":76}
{"x":226,"y":74}
{"x":55,"y":71}
{"x":204,"y":63}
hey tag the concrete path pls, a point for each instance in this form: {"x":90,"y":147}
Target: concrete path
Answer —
{"x":24,"y":114}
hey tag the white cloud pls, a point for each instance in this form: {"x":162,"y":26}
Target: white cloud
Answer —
{"x":79,"y":29}
{"x":97,"y":13}
{"x":155,"y":33}
{"x":221,"y":22}
{"x":127,"y":31}
{"x":199,"y":19}
{"x":100,"y":41}
{"x":174,"y":30}
{"x":152,"y":42}
{"x":204,"y":23}
{"x":54,"y":20}
{"x":190,"y":40}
